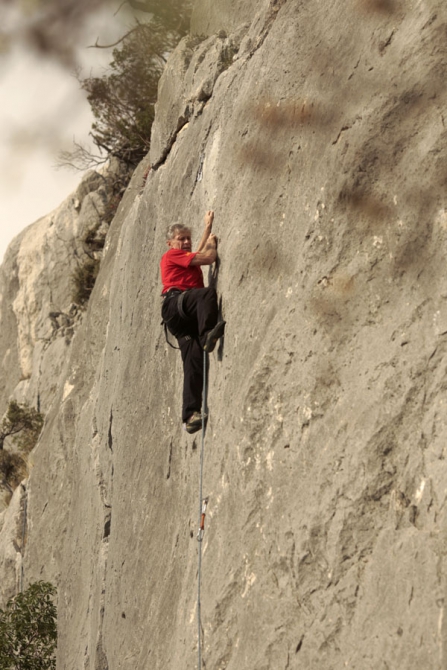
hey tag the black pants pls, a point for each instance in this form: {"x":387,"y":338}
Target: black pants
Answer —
{"x":199,"y":306}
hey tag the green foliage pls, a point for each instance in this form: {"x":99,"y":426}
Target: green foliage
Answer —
{"x":12,"y":470}
{"x":174,"y":15}
{"x":84,"y":278}
{"x":123,"y":100}
{"x":94,"y":237}
{"x":24,"y":422}
{"x":28,"y":631}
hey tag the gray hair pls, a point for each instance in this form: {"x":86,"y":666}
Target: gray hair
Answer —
{"x":174,"y":228}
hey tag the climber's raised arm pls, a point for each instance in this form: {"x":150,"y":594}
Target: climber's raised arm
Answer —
{"x":209,"y":217}
{"x":208,"y":255}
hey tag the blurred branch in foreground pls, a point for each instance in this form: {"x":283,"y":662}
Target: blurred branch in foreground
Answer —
{"x":123,"y":99}
{"x":53,"y":27}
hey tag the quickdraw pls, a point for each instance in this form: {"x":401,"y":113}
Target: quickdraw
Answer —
{"x":202,"y":520}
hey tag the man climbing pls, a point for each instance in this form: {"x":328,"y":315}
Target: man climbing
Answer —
{"x":190,"y":310}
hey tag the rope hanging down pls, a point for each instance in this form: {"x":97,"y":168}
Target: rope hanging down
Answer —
{"x":202,"y":511}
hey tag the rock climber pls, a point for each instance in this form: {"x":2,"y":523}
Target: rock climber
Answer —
{"x":190,"y":310}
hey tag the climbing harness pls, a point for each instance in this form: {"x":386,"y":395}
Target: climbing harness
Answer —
{"x":175,"y":292}
{"x":185,"y":337}
{"x":203,"y":502}
{"x":180,"y":300}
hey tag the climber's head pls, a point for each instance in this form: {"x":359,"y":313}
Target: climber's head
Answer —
{"x":179,"y":237}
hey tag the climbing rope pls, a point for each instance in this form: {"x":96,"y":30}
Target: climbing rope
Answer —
{"x":22,"y":550}
{"x":202,"y":510}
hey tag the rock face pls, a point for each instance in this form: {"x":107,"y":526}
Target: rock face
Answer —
{"x":13,"y":528}
{"x":37,"y":325}
{"x":37,"y":316}
{"x":316,"y":131}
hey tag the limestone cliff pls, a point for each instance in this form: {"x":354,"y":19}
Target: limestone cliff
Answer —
{"x":316,"y":131}
{"x":37,"y":323}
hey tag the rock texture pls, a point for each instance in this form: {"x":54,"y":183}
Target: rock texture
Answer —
{"x":13,"y":529}
{"x":37,"y":324}
{"x":317,"y":134}
{"x":37,"y":316}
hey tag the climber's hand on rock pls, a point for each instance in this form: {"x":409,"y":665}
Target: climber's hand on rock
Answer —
{"x":209,"y":217}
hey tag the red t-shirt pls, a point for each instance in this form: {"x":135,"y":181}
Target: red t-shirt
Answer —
{"x":176,"y":271}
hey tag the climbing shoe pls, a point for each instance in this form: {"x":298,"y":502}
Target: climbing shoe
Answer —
{"x":212,"y":336}
{"x":194,"y":423}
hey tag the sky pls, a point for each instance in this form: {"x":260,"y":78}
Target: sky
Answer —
{"x":42,"y":109}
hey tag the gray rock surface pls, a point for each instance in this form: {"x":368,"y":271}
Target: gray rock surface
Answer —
{"x":37,"y":318}
{"x":13,"y":529}
{"x":321,"y":146}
